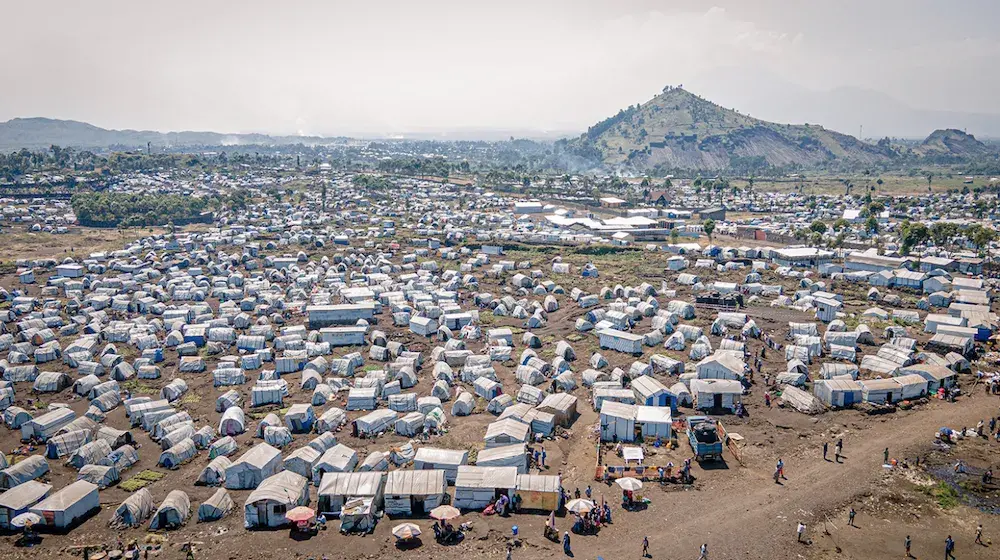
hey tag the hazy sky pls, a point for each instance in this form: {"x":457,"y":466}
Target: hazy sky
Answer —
{"x":382,"y":67}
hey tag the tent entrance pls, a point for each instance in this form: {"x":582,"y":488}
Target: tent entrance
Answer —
{"x":417,"y":505}
{"x":717,"y":401}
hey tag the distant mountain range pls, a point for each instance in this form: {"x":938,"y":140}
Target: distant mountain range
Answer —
{"x":38,"y":133}
{"x":675,"y":130}
{"x":680,"y":130}
{"x":41,"y":133}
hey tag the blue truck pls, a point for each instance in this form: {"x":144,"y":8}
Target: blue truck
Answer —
{"x":703,"y":435}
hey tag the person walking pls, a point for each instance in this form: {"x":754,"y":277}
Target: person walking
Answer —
{"x":979,"y":534}
{"x":704,"y":552}
{"x":826,"y":447}
{"x":906,"y":545}
{"x":885,"y":456}
{"x":781,"y":469}
{"x":543,"y":456}
{"x":837,"y":449}
{"x":949,"y":548}
{"x":509,"y":552}
{"x":801,"y":531}
{"x":850,"y":517}
{"x":645,"y":547}
{"x":588,"y":491}
{"x":566,"y":549}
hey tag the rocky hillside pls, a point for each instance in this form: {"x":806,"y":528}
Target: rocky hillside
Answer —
{"x":951,"y":142}
{"x":678,"y":129}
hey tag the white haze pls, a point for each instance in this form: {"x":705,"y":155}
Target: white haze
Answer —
{"x":402,"y":67}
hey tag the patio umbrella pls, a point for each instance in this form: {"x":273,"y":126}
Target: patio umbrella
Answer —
{"x":301,"y":514}
{"x":406,"y":531}
{"x":580,"y":505}
{"x":442,"y":513}
{"x":629,"y":483}
{"x":25,"y":519}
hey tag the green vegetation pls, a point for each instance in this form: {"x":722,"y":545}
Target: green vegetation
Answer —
{"x":141,"y":480}
{"x":709,"y":227}
{"x":110,"y":209}
{"x":912,"y":234}
{"x":373,"y":182}
{"x":138,"y":388}
{"x":818,"y":227}
{"x":980,"y":236}
{"x":945,"y":496}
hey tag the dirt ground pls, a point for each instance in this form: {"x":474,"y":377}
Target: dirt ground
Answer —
{"x":736,"y":509}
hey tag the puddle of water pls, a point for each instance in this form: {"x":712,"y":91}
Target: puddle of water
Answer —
{"x":972,"y":475}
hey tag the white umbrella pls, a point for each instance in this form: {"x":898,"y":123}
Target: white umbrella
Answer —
{"x":629,"y":483}
{"x":406,"y":531}
{"x":579,"y":506}
{"x":26,"y":518}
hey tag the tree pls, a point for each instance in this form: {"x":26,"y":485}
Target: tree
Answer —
{"x":840,"y":224}
{"x":818,"y":227}
{"x":871,"y":225}
{"x":980,"y":236}
{"x":674,"y":235}
{"x":911,"y":235}
{"x":322,"y":194}
{"x":943,"y":232}
{"x":667,"y":183}
{"x":709,"y":227}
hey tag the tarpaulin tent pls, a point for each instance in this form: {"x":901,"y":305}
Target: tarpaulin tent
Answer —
{"x":134,"y":510}
{"x":173,"y":511}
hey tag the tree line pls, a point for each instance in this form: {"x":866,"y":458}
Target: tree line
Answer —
{"x":113,"y":209}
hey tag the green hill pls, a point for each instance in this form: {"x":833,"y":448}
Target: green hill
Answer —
{"x":951,"y":142}
{"x":679,"y":130}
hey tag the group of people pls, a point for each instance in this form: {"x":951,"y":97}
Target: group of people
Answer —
{"x":505,"y":505}
{"x":838,"y":450}
{"x":591,"y":522}
{"x":444,"y":531}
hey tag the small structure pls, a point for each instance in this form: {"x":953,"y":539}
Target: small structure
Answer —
{"x":838,"y":392}
{"x":216,"y":507}
{"x":257,"y":464}
{"x":650,"y":392}
{"x":880,"y":391}
{"x":505,"y":456}
{"x":937,"y":376}
{"x":478,"y":487}
{"x":654,"y":422}
{"x":339,"y":488}
{"x":414,"y":492}
{"x":620,"y":341}
{"x":266,"y":506}
{"x":540,"y":492}
{"x":617,"y":421}
{"x":448,"y":460}
{"x":69,"y":505}
{"x":506,"y":432}
{"x":173,"y":511}
{"x":717,"y":394}
{"x":17,"y":500}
